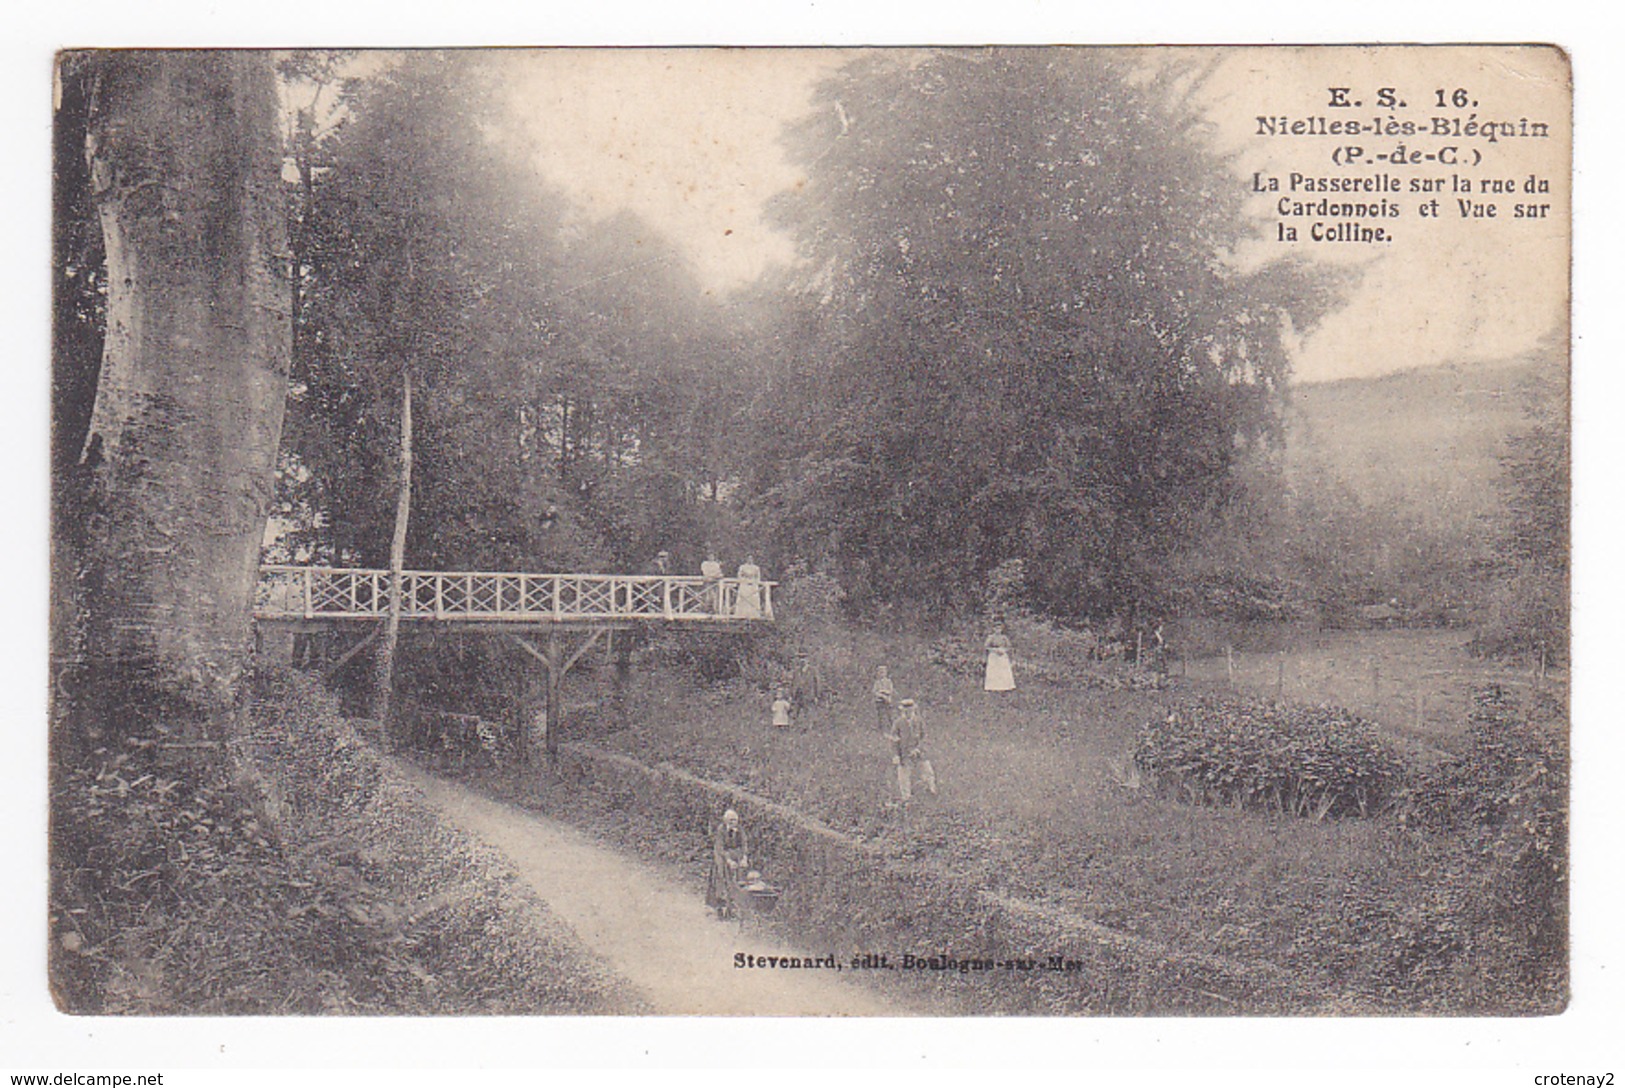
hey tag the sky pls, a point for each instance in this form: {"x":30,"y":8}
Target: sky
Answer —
{"x":689,"y":140}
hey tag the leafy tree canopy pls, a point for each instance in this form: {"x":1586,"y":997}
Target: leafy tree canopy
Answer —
{"x":1020,"y":333}
{"x":567,"y":373}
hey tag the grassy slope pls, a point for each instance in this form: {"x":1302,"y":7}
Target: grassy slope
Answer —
{"x":1424,"y":441}
{"x":1029,"y":806}
{"x":329,"y":887}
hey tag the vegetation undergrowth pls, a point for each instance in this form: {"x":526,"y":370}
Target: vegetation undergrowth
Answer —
{"x":1040,"y":800}
{"x":291,"y":874}
{"x":1294,"y":760}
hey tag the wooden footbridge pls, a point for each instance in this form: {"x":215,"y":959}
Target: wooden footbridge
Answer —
{"x":565,"y":615}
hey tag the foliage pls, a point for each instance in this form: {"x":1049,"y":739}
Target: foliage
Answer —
{"x":293,"y":874}
{"x":1526,"y":616}
{"x":1313,"y":761}
{"x":488,"y":678}
{"x":809,"y":598}
{"x":758,"y":659}
{"x":1006,"y":591}
{"x":166,"y":888}
{"x":575,"y":386}
{"x":1506,"y":796}
{"x":1018,"y":337}
{"x":1529,"y":612}
{"x":1370,"y":913}
{"x":1248,"y":598}
{"x":1348,"y":553}
{"x":1510,"y":784}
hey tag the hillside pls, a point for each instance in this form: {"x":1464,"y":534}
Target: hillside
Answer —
{"x":1423,"y":442}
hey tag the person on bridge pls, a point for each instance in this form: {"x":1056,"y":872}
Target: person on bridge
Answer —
{"x":908,"y":751}
{"x":711,"y":571}
{"x":749,"y":604}
{"x":730,"y":861}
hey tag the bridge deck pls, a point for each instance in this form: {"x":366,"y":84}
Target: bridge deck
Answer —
{"x":469,"y":597}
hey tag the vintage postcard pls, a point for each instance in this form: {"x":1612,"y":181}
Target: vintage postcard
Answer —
{"x":1060,"y":532}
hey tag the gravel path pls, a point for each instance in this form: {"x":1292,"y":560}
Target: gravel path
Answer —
{"x":653,"y":931}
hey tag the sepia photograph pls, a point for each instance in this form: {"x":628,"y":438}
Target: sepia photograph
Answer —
{"x":965,"y":531}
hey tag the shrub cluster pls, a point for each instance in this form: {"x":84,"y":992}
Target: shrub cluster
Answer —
{"x":1313,"y":761}
{"x":1511,"y":761}
{"x":1526,"y":616}
{"x":844,"y":893}
{"x":165,"y":889}
{"x":290,"y":873}
{"x":1233,"y":595}
{"x":1507,"y":794}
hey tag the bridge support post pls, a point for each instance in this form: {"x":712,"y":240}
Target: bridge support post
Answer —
{"x":555,"y":701}
{"x":557,"y":665}
{"x":622,"y":652}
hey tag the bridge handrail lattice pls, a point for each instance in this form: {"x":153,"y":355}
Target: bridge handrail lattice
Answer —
{"x":304,"y":592}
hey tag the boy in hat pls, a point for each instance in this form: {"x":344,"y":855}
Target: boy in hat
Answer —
{"x":908,"y":751}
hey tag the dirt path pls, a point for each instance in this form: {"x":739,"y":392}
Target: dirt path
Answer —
{"x":651,"y":930}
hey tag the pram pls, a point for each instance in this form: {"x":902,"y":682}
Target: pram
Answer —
{"x":733,"y":889}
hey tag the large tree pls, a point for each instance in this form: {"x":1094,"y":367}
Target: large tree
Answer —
{"x":1020,"y":333}
{"x":560,"y":364}
{"x":179,"y":449}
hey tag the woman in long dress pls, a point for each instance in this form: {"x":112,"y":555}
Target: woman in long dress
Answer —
{"x":729,"y":857}
{"x":999,"y":675}
{"x":749,"y":604}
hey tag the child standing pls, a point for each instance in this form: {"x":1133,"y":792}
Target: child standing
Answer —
{"x":884,"y":693}
{"x":781,"y":711}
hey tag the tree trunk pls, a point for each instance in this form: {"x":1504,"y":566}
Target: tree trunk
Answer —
{"x":185,"y":163}
{"x":385,"y":686}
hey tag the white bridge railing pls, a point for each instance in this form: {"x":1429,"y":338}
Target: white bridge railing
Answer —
{"x":297,"y":592}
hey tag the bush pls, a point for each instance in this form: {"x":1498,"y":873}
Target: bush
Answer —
{"x":291,"y":872}
{"x":1313,"y":761}
{"x":1509,"y":760}
{"x":807,"y":598}
{"x":759,"y":659}
{"x":1247,"y":598}
{"x":1006,"y":593}
{"x":1527,"y":615}
{"x":1507,"y":799}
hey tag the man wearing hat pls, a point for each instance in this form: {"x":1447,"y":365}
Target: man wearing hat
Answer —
{"x":908,"y":751}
